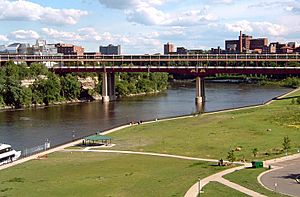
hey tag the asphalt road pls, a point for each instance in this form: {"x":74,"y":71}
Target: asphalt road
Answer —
{"x":283,"y":180}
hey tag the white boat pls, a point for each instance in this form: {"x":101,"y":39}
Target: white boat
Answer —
{"x":7,"y":154}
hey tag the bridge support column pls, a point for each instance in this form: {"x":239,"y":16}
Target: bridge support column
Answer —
{"x":200,"y":90}
{"x":108,"y":87}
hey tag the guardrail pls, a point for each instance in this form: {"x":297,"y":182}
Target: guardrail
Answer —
{"x":155,"y":58}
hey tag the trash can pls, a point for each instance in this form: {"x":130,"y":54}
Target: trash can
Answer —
{"x":257,"y":164}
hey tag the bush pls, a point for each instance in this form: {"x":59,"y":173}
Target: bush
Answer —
{"x":291,"y":82}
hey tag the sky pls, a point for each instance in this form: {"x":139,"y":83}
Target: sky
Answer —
{"x":143,"y":26}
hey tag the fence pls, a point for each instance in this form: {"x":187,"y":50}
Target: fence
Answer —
{"x":34,"y":150}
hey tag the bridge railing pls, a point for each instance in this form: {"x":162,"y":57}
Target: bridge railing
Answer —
{"x":177,"y":57}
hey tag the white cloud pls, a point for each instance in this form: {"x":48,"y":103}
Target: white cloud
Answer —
{"x":223,"y":1}
{"x":263,"y":28}
{"x":129,"y":4}
{"x":61,"y":35}
{"x":291,"y":6}
{"x":23,"y":10}
{"x":3,"y":38}
{"x":138,"y":42}
{"x":147,"y":13}
{"x":24,"y":35}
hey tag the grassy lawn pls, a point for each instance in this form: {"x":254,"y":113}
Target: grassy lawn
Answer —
{"x":98,"y":174}
{"x":248,"y":179}
{"x":215,"y":189}
{"x":213,"y":135}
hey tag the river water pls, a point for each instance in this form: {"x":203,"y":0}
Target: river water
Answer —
{"x":28,"y":128}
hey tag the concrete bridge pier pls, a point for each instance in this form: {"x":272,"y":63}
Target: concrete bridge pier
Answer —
{"x":200,"y":90}
{"x":108,"y":87}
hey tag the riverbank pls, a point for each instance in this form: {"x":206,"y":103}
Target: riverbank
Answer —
{"x":156,"y":121}
{"x":257,"y":123}
{"x":224,"y":130}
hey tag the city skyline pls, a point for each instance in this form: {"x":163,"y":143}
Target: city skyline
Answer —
{"x":144,"y":26}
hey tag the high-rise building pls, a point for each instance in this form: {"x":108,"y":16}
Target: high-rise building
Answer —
{"x":168,"y":48}
{"x":110,"y":50}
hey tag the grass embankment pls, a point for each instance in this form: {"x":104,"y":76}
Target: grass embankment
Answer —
{"x":213,"y":135}
{"x":215,"y":189}
{"x":97,"y":174}
{"x":248,"y":179}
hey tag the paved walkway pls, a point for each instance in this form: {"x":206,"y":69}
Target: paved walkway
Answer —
{"x":218,"y":177}
{"x":36,"y":156}
{"x":144,"y":153}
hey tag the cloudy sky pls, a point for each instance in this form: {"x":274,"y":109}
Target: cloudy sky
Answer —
{"x":143,"y":26}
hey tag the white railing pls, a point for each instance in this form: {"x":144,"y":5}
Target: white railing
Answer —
{"x":127,"y":58}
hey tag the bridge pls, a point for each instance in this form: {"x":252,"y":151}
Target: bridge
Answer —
{"x":199,"y":65}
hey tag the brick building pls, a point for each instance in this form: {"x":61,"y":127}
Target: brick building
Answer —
{"x":168,"y":48}
{"x":69,"y":49}
{"x":245,"y":44}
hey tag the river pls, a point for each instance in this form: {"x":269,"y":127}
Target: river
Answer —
{"x":28,"y":128}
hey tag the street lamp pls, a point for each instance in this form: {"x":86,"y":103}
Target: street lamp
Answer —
{"x":199,"y":186}
{"x":73,"y":135}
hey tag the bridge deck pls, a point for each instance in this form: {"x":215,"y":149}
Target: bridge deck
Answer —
{"x":154,"y":58}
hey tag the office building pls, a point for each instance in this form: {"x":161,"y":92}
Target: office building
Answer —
{"x":110,"y":50}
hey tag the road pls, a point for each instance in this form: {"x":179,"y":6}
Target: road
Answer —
{"x":284,"y":177}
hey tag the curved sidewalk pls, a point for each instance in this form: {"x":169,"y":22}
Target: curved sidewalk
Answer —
{"x":146,"y":153}
{"x":218,"y":177}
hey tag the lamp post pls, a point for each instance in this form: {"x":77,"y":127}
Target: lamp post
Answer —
{"x":73,"y":135}
{"x":199,"y":186}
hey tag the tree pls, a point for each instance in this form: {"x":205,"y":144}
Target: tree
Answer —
{"x":26,"y":97}
{"x":286,"y":143}
{"x":47,"y":89}
{"x":231,"y":156}
{"x":254,"y":152}
{"x":12,"y":92}
{"x":70,"y":87}
{"x":38,"y":69}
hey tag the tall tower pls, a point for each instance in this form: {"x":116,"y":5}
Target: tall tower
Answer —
{"x":168,"y":48}
{"x":241,"y":42}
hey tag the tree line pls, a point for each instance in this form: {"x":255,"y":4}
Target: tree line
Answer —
{"x":46,"y":87}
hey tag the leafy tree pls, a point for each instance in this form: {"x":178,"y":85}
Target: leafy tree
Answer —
{"x":292,"y":82}
{"x":26,"y":97}
{"x":47,"y":89}
{"x":70,"y":87}
{"x":286,"y":143}
{"x":231,"y":156}
{"x":12,"y":93}
{"x":38,"y":69}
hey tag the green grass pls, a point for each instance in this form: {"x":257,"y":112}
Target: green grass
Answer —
{"x":248,"y":179}
{"x":215,"y":189}
{"x":213,"y":135}
{"x":99,"y":174}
